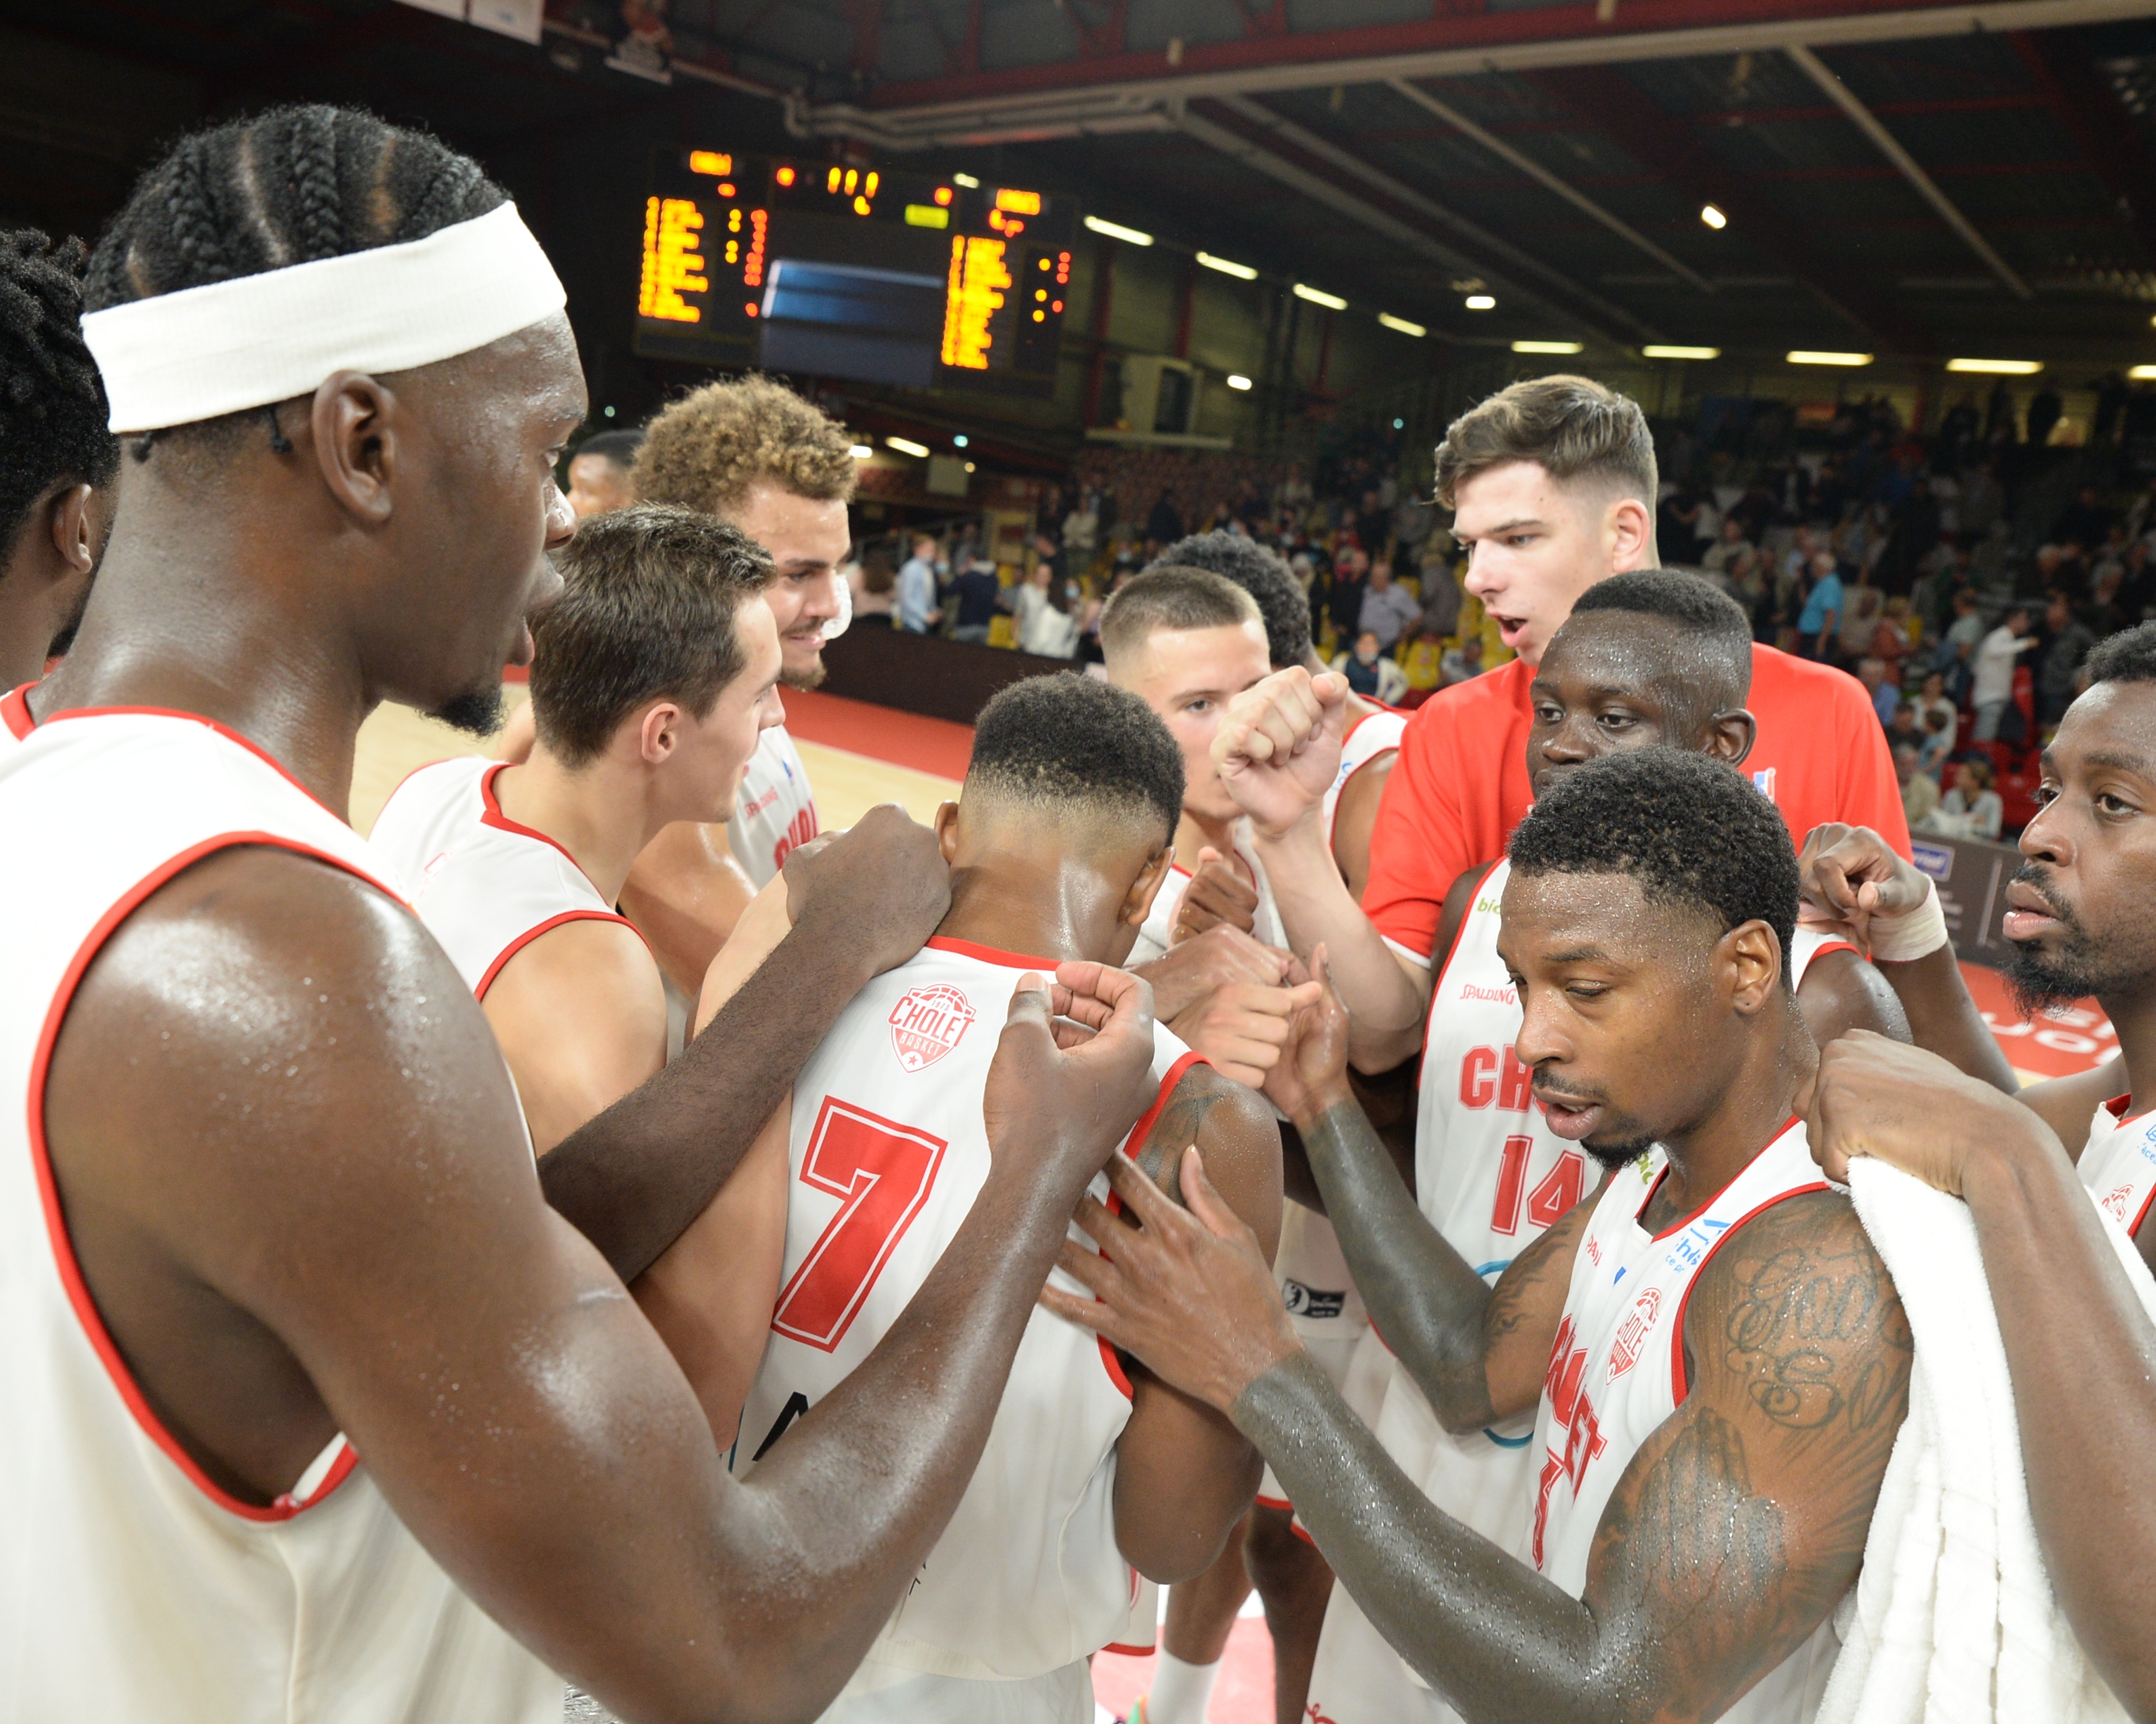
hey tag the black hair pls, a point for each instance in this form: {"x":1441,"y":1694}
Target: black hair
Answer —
{"x":289,"y":186}
{"x":1165,"y":597}
{"x":648,"y":611}
{"x":2127,"y":656}
{"x":1067,"y":740}
{"x":51,"y":402}
{"x":1687,"y":829}
{"x":1263,"y":575}
{"x":618,"y":447}
{"x":1711,"y":626}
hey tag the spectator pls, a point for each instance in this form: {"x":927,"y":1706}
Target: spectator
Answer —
{"x":1958,"y":647}
{"x":1344,"y":603}
{"x":977,"y":594}
{"x":1082,"y":529}
{"x":1387,"y":611}
{"x":2084,"y":522}
{"x":1440,"y":600}
{"x":1932,"y":697}
{"x":1728,"y":549}
{"x":1920,"y":794}
{"x":1361,"y":669}
{"x":918,"y":612}
{"x":1164,"y":525}
{"x":1042,"y":606}
{"x":1972,"y":809}
{"x":1464,"y":662}
{"x":1871,"y":672}
{"x":1820,"y":620}
{"x":1938,"y":740}
{"x":1902,"y":727}
{"x":1993,"y":685}
{"x":874,"y":584}
{"x":2067,"y":643}
{"x":1424,"y":661}
{"x":2045,"y":408}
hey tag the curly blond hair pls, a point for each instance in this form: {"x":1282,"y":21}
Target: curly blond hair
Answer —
{"x":709,"y":449}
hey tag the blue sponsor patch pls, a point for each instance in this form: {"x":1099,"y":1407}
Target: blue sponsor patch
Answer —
{"x":1936,"y":859}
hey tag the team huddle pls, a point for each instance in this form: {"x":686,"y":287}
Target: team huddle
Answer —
{"x":1465,"y":1173}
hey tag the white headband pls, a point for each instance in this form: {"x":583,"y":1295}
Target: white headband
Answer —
{"x":205,"y":351}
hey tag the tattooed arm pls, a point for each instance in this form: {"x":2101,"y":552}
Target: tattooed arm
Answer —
{"x":1477,"y":1352}
{"x":1184,"y":1476}
{"x":1731,"y":1535}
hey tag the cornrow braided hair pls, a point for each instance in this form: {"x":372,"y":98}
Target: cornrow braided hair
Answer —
{"x":52,"y":404}
{"x":289,"y":186}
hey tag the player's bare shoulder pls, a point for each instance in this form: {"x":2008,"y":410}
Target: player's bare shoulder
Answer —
{"x":1236,"y":1132}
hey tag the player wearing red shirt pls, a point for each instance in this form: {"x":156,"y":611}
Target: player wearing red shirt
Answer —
{"x":1553,"y":483}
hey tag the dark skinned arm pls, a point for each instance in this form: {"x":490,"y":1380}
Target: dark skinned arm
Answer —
{"x":1184,"y":1476}
{"x":2075,"y":1335}
{"x":1477,"y":1352}
{"x":632,"y":1179}
{"x":311,"y":1209}
{"x":1734,"y":1530}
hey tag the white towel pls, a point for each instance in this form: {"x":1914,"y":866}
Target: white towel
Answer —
{"x":1953,"y":1620}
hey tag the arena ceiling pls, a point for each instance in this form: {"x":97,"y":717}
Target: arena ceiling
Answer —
{"x":1919,"y":179}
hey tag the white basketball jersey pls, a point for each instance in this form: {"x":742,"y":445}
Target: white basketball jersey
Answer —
{"x":1154,"y":936}
{"x":486,"y":887}
{"x":135,"y":1591}
{"x":2118,"y":1164}
{"x":1372,"y":735}
{"x":889,"y":1151}
{"x":775,"y":814}
{"x":1617,"y":1375}
{"x":16,"y":723}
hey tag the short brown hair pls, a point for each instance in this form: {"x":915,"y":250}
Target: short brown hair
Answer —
{"x":1173,"y":598}
{"x":1571,"y":427}
{"x":709,"y":449}
{"x":648,"y":613}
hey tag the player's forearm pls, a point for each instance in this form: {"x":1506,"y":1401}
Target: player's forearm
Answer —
{"x":1315,"y":909}
{"x":1496,"y":1639}
{"x":634,"y":1177}
{"x":1182,"y":1483}
{"x":2077,"y":1337}
{"x":1943,"y":1017}
{"x":1423,"y":1297}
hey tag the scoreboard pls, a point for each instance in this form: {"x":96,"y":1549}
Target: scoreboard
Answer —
{"x":852,"y":272}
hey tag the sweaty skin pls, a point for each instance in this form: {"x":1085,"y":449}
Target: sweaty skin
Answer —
{"x":45,"y":574}
{"x":363,"y":1245}
{"x":1741,"y":1521}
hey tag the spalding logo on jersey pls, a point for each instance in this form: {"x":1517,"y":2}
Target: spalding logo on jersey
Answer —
{"x":1624,"y":1351}
{"x":927,"y":1024}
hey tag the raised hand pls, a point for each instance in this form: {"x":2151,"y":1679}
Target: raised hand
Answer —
{"x":1217,"y":897}
{"x":1193,"y":968}
{"x":884,"y":881}
{"x":1310,"y":1074}
{"x":1188,"y":1291}
{"x":1851,"y":874}
{"x":1066,"y":1099}
{"x":1278,"y":747}
{"x":1240,"y":1026}
{"x":1875,"y":1096}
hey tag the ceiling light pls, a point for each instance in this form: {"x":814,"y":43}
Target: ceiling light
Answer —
{"x":1481,"y":303}
{"x":958,"y":441}
{"x":861,"y":452}
{"x":1236,"y":380}
{"x":1401,"y":324}
{"x":1997,"y":367}
{"x":906,"y":446}
{"x":1662,"y":350}
{"x":1548,"y":347}
{"x":1804,"y":356}
{"x":1241,"y":272}
{"x":1130,"y":236}
{"x":966,"y":180}
{"x":969,"y":466}
{"x":1712,"y":217}
{"x":1331,"y":302}
{"x":2144,"y":373}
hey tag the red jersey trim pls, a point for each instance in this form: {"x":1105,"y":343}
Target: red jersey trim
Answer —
{"x":1686,"y":1220}
{"x":15,"y":711}
{"x":1332,"y":819}
{"x":2117,"y":1105}
{"x":63,"y":1258}
{"x":1444,"y":969}
{"x":1282,"y":1503}
{"x":1832,"y":945}
{"x":548,"y":926}
{"x":1677,"y":1379}
{"x":1138,"y":1133}
{"x":991,"y":954}
{"x":492,"y":815}
{"x":225,"y":731}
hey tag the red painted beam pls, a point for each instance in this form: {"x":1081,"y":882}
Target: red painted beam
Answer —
{"x":1466,"y":30}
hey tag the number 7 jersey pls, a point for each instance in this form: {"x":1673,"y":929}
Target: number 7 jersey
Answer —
{"x":888,"y":1150}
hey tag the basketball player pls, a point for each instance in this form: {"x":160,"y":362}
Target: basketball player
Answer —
{"x":1060,"y":839}
{"x":269,"y":1200}
{"x":1553,"y":482}
{"x":600,"y":473}
{"x":1716,"y":1359}
{"x":1647,"y":660}
{"x":756,"y":455}
{"x":57,"y":463}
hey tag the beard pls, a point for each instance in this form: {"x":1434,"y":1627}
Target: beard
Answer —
{"x":1614,"y":1153}
{"x":2042,"y":979}
{"x":477,"y":712}
{"x":810,"y":678}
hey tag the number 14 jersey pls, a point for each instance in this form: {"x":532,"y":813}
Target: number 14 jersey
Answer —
{"x":888,"y":1150}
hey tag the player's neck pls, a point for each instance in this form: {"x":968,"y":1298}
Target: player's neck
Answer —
{"x":1747,"y":1114}
{"x":1036,"y":905}
{"x":598,"y":816}
{"x":1195,"y":831}
{"x":2134,"y":1018}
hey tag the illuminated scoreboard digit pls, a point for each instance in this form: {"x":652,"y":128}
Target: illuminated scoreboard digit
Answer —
{"x":827,"y":269}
